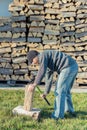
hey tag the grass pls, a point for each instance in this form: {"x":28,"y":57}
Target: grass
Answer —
{"x":12,"y":98}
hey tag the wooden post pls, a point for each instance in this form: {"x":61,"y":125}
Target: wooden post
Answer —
{"x":28,"y":100}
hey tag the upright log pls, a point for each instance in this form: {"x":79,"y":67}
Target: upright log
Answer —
{"x":27,"y":109}
{"x":28,"y":100}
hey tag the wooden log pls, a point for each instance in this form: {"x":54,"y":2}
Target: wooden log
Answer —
{"x":52,"y":11}
{"x":84,"y":69}
{"x":65,"y":24}
{"x":15,"y":7}
{"x":18,"y":18}
{"x":18,"y":30}
{"x":21,"y":71}
{"x":5,"y":28}
{"x":6,"y":71}
{"x":52,"y":21}
{"x":23,"y":66}
{"x":5,"y":60}
{"x":5,"y":50}
{"x":81,"y":81}
{"x":7,"y":35}
{"x":2,"y":45}
{"x":32,"y":39}
{"x":50,"y":42}
{"x":51,"y":32}
{"x":68,"y":14}
{"x":28,"y":104}
{"x":67,"y":34}
{"x":35,"y":7}
{"x":82,"y":15}
{"x":51,"y":1}
{"x":37,"y":29}
{"x":82,"y":63}
{"x":15,"y":66}
{"x":82,"y":75}
{"x":78,"y":35}
{"x":19,"y":59}
{"x":37,"y":18}
{"x":85,"y":57}
{"x":16,"y":1}
{"x":19,"y":39}
{"x":28,"y":100}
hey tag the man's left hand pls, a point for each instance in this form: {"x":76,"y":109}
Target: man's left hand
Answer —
{"x":31,"y":87}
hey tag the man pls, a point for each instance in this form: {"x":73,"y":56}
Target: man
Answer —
{"x":66,"y":67}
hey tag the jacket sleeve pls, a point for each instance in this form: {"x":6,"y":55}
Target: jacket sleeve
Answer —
{"x":42,"y":70}
{"x":48,"y":81}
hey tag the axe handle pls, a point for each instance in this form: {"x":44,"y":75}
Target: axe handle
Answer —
{"x":46,"y":101}
{"x":44,"y":97}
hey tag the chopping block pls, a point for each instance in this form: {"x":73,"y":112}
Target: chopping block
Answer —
{"x":27,"y":109}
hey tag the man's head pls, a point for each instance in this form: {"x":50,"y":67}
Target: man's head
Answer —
{"x":32,"y":57}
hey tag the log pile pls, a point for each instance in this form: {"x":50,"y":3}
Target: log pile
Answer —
{"x":67,"y":21}
{"x":5,"y":29}
{"x":35,"y":21}
{"x":5,"y":61}
{"x":19,"y":61}
{"x":51,"y":37}
{"x":77,"y":46}
{"x":40,"y":25}
{"x":18,"y":22}
{"x":81,"y":21}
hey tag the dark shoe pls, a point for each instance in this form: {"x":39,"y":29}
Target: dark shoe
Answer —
{"x":73,"y":114}
{"x":52,"y":117}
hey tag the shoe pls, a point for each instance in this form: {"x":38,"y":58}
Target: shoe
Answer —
{"x":73,"y":114}
{"x":53,"y":117}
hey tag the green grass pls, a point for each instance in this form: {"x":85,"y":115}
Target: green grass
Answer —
{"x":12,"y":98}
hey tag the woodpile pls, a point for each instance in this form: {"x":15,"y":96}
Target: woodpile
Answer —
{"x":81,"y":21}
{"x":5,"y":29}
{"x":18,"y":22}
{"x":35,"y":24}
{"x":51,"y":37}
{"x":67,"y":21}
{"x":40,"y":25}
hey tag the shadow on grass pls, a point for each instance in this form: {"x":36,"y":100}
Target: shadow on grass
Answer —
{"x":82,"y":115}
{"x":46,"y":113}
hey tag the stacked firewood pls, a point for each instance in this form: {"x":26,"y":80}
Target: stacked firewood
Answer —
{"x":51,"y":37}
{"x":5,"y":29}
{"x":5,"y":61}
{"x":67,"y":21}
{"x":77,"y":45}
{"x":19,"y":61}
{"x":40,"y":25}
{"x":35,"y":21}
{"x":81,"y":21}
{"x":18,"y":22}
{"x":5,"y":49}
{"x":18,"y":46}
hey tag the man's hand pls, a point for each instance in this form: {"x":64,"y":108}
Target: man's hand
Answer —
{"x":43,"y":95}
{"x":31,"y":87}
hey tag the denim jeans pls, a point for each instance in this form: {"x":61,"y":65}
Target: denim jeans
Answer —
{"x":63,"y":100}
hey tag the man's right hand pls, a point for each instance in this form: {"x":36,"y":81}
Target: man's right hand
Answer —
{"x":43,"y":95}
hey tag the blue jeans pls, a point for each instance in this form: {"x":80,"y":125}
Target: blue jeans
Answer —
{"x":63,"y":101}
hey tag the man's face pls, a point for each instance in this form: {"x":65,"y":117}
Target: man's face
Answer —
{"x":35,"y":60}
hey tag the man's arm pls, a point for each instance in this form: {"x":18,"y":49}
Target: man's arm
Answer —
{"x":48,"y":81}
{"x":42,"y":70}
